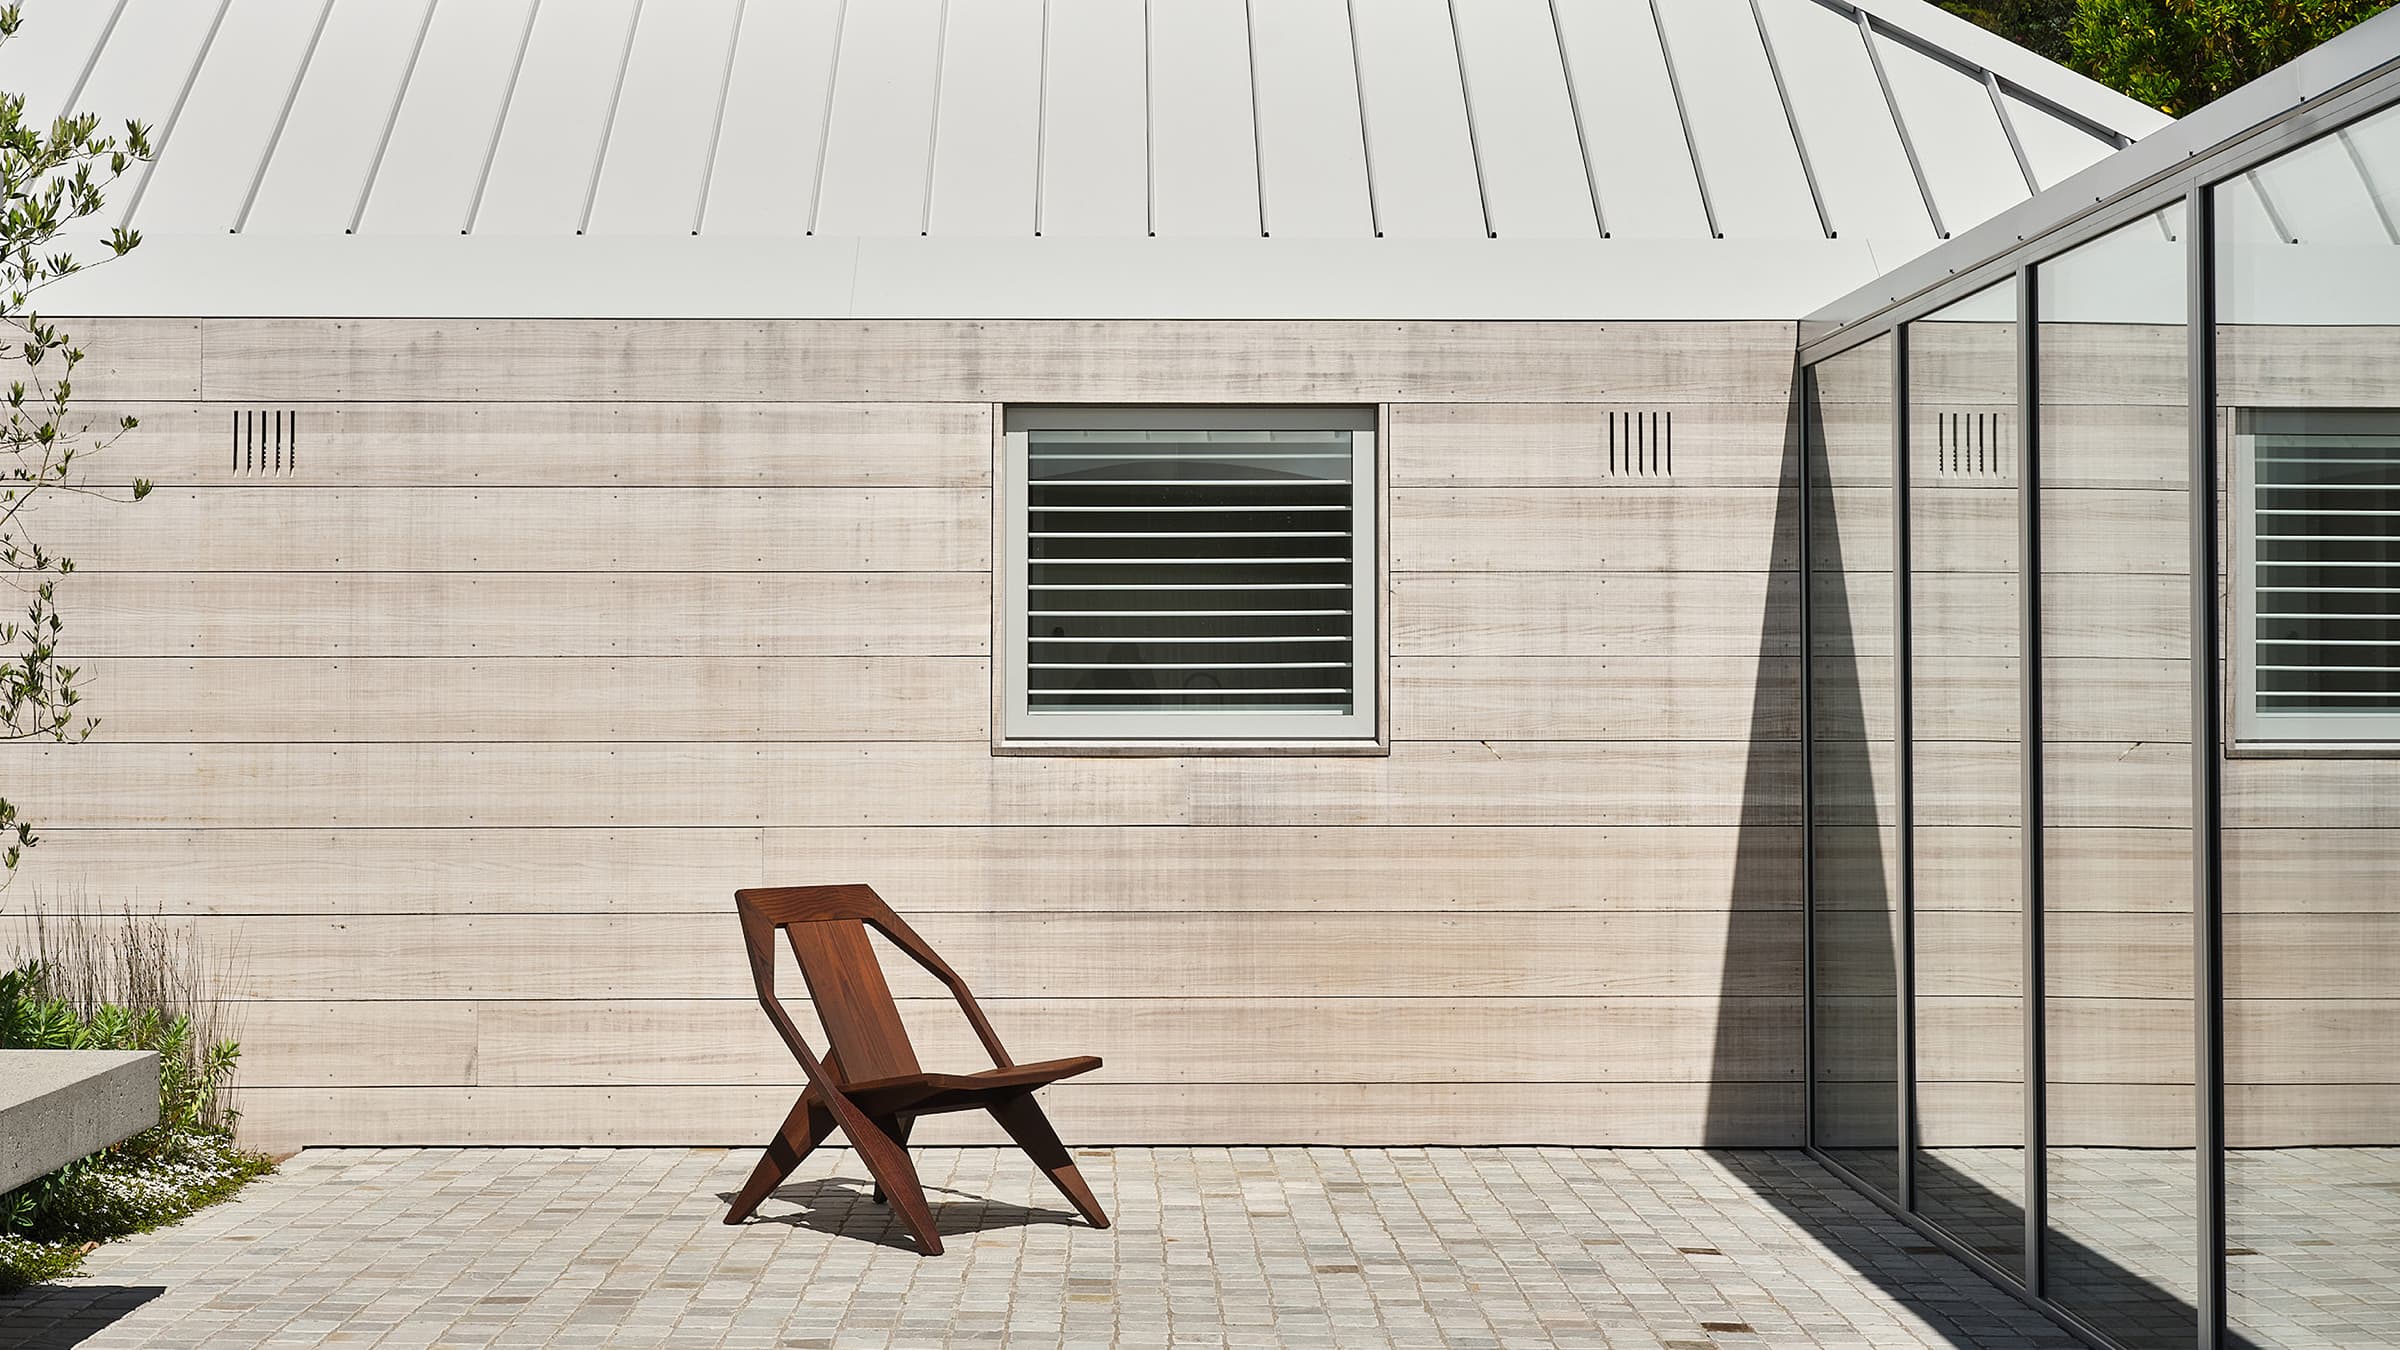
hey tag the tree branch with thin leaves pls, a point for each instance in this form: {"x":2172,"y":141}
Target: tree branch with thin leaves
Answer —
{"x":51,"y":178}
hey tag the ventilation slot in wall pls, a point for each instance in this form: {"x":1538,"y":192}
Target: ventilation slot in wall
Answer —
{"x":1641,"y":444}
{"x":1972,"y":445}
{"x":266,"y":442}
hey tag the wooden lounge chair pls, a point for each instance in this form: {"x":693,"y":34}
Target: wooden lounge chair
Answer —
{"x":869,"y":1083}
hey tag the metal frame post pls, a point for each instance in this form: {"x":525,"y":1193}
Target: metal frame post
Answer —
{"x":2029,"y":769}
{"x":2208,"y":1127}
{"x":1904,"y":982}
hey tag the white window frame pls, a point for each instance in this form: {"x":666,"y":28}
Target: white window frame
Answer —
{"x":2282,"y":731}
{"x":1020,"y":729}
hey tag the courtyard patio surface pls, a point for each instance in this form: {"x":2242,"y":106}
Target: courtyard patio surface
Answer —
{"x":1325,"y":1249}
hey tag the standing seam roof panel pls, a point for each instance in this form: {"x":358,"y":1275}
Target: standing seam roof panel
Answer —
{"x":48,"y":55}
{"x":1096,"y":122}
{"x":1748,"y":158}
{"x":435,"y":160}
{"x":2057,"y":150}
{"x":879,"y":137}
{"x":1203,"y":140}
{"x":1640,"y":161}
{"x":765,"y":171}
{"x":550,"y":144}
{"x":226,"y":123}
{"x":1534,"y":174}
{"x":1962,"y":148}
{"x":1203,"y":118}
{"x":1847,"y":129}
{"x":990,"y":120}
{"x":659,"y":147}
{"x":1312,"y":146}
{"x":143,"y":69}
{"x":346,"y":96}
{"x":1421,"y":161}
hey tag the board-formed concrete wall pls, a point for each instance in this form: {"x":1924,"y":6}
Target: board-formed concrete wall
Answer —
{"x":456,"y":730}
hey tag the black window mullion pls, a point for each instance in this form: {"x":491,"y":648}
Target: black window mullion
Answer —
{"x":2029,"y":739}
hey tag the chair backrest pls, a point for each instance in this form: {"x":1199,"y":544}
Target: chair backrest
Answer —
{"x":827,"y":928}
{"x":846,"y":982}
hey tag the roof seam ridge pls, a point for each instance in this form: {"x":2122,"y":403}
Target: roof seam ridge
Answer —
{"x":1583,"y":140}
{"x":383,"y":144}
{"x":508,"y":99}
{"x":91,"y":60}
{"x":166,"y":130}
{"x":1041,"y":127}
{"x":1149,"y":128}
{"x":933,"y":132}
{"x":1891,"y":107}
{"x":1791,"y":120}
{"x":291,"y":98}
{"x":1466,"y":106}
{"x":1991,"y":85}
{"x":1366,"y":138}
{"x":608,"y":123}
{"x":833,"y":83}
{"x":1258,"y":134}
{"x":716,"y":127}
{"x":1691,"y":146}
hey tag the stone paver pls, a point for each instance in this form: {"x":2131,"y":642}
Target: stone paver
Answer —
{"x":1316,"y":1249}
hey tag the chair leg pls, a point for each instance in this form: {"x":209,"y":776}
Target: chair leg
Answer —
{"x":898,"y":1128}
{"x":807,"y":1126}
{"x":895,"y":1178}
{"x":1027,"y":1125}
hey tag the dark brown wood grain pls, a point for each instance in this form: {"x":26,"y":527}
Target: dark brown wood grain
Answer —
{"x":869,"y":1083}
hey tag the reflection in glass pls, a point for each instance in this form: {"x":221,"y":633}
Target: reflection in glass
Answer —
{"x":1963,"y":575}
{"x":2122,"y":1250}
{"x":1855,"y":1014}
{"x":2308,"y":341}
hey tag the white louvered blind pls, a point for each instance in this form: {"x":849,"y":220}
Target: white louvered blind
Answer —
{"x":2318,"y":575}
{"x":1191,"y":574}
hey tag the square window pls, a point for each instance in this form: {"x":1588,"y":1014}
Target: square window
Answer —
{"x":1189,"y":578}
{"x":2316,"y":634}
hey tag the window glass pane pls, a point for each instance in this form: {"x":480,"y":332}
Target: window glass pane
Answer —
{"x":2118,"y":1021}
{"x":2308,"y":344}
{"x":1189,"y":570}
{"x":1963,"y":597}
{"x":1855,"y":1013}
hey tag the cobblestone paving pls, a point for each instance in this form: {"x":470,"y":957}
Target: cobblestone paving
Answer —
{"x":1318,"y":1249}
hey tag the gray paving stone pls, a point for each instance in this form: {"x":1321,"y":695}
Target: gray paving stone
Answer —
{"x":1312,"y":1249}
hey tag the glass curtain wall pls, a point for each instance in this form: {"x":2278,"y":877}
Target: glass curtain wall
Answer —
{"x":2116,"y":721}
{"x":2308,"y":413}
{"x":2047,"y":994}
{"x":1964,"y":466}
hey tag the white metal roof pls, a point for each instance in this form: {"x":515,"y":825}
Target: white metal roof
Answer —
{"x":1211,"y":158}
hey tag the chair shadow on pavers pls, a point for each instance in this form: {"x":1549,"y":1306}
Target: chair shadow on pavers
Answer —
{"x":844,"y":1207}
{"x":869,"y":1083}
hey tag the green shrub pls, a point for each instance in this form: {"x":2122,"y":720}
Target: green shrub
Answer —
{"x":134,"y":985}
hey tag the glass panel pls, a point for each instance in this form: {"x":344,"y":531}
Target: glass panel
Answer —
{"x":1963,"y":584}
{"x":2308,"y":344}
{"x":1189,"y":571}
{"x":1854,"y":1018}
{"x":2116,"y":827}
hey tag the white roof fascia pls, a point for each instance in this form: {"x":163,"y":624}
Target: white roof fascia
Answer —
{"x":915,"y":277}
